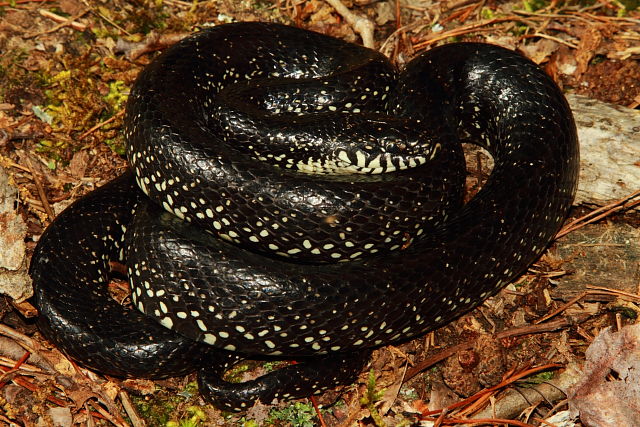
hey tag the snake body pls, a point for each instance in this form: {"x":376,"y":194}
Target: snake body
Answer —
{"x":280,"y":143}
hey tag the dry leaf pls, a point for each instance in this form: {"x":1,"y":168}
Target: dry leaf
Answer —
{"x":609,"y":393}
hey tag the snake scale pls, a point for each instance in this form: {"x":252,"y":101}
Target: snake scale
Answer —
{"x":329,"y":189}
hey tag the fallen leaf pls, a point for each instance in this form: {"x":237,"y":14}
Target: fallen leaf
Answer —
{"x":609,"y":393}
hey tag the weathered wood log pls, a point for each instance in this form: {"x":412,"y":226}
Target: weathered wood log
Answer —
{"x":609,"y":150}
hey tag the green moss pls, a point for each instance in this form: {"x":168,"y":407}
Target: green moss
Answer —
{"x":487,"y":13}
{"x":409,"y":393}
{"x":117,"y":95}
{"x":195,"y":417}
{"x":631,"y":4}
{"x":190,"y":390}
{"x":519,"y":29}
{"x":370,"y":397}
{"x":234,"y":375}
{"x":539,"y":378}
{"x":626,"y":312}
{"x":261,"y":5}
{"x":51,"y":149}
{"x":299,"y":414}
{"x":534,"y":5}
{"x":523,"y":283}
{"x":117,"y":145}
{"x":155,"y":411}
{"x":59,"y":12}
{"x":101,"y":32}
{"x":172,"y":409}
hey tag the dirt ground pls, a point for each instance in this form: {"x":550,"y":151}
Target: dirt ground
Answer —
{"x":66,"y":67}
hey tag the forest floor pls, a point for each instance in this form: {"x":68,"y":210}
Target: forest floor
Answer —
{"x":66,"y":67}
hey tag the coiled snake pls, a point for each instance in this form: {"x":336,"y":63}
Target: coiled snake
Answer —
{"x":280,"y":143}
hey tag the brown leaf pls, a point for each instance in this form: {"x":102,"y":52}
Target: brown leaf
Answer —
{"x":78,"y":164}
{"x":590,"y":40}
{"x":609,"y":393}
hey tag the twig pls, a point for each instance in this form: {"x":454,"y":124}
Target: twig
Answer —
{"x":580,"y":16}
{"x":361,"y":25}
{"x":454,"y":4}
{"x":64,"y":22}
{"x":464,"y":30}
{"x":607,"y":19}
{"x":552,"y":38}
{"x":399,"y":32}
{"x":487,"y":421}
{"x":15,"y":367}
{"x":24,"y":341}
{"x":536,"y":328}
{"x":100,"y":15}
{"x":562,"y":307}
{"x":591,"y":290}
{"x":2,"y":417}
{"x":23,"y":382}
{"x":617,"y":292}
{"x":502,"y":384}
{"x":99,"y":125}
{"x":435,"y":359}
{"x":130,"y":410}
{"x":7,"y":4}
{"x":9,"y":363}
{"x":181,"y":4}
{"x":545,"y":422}
{"x":314,"y":402}
{"x":5,"y":161}
{"x":598,"y":214}
{"x":41,"y":193}
{"x":117,"y":421}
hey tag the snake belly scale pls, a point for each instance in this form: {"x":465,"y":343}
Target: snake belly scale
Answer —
{"x":300,"y":198}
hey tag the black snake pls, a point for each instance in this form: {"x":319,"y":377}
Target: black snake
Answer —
{"x":280,"y":142}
